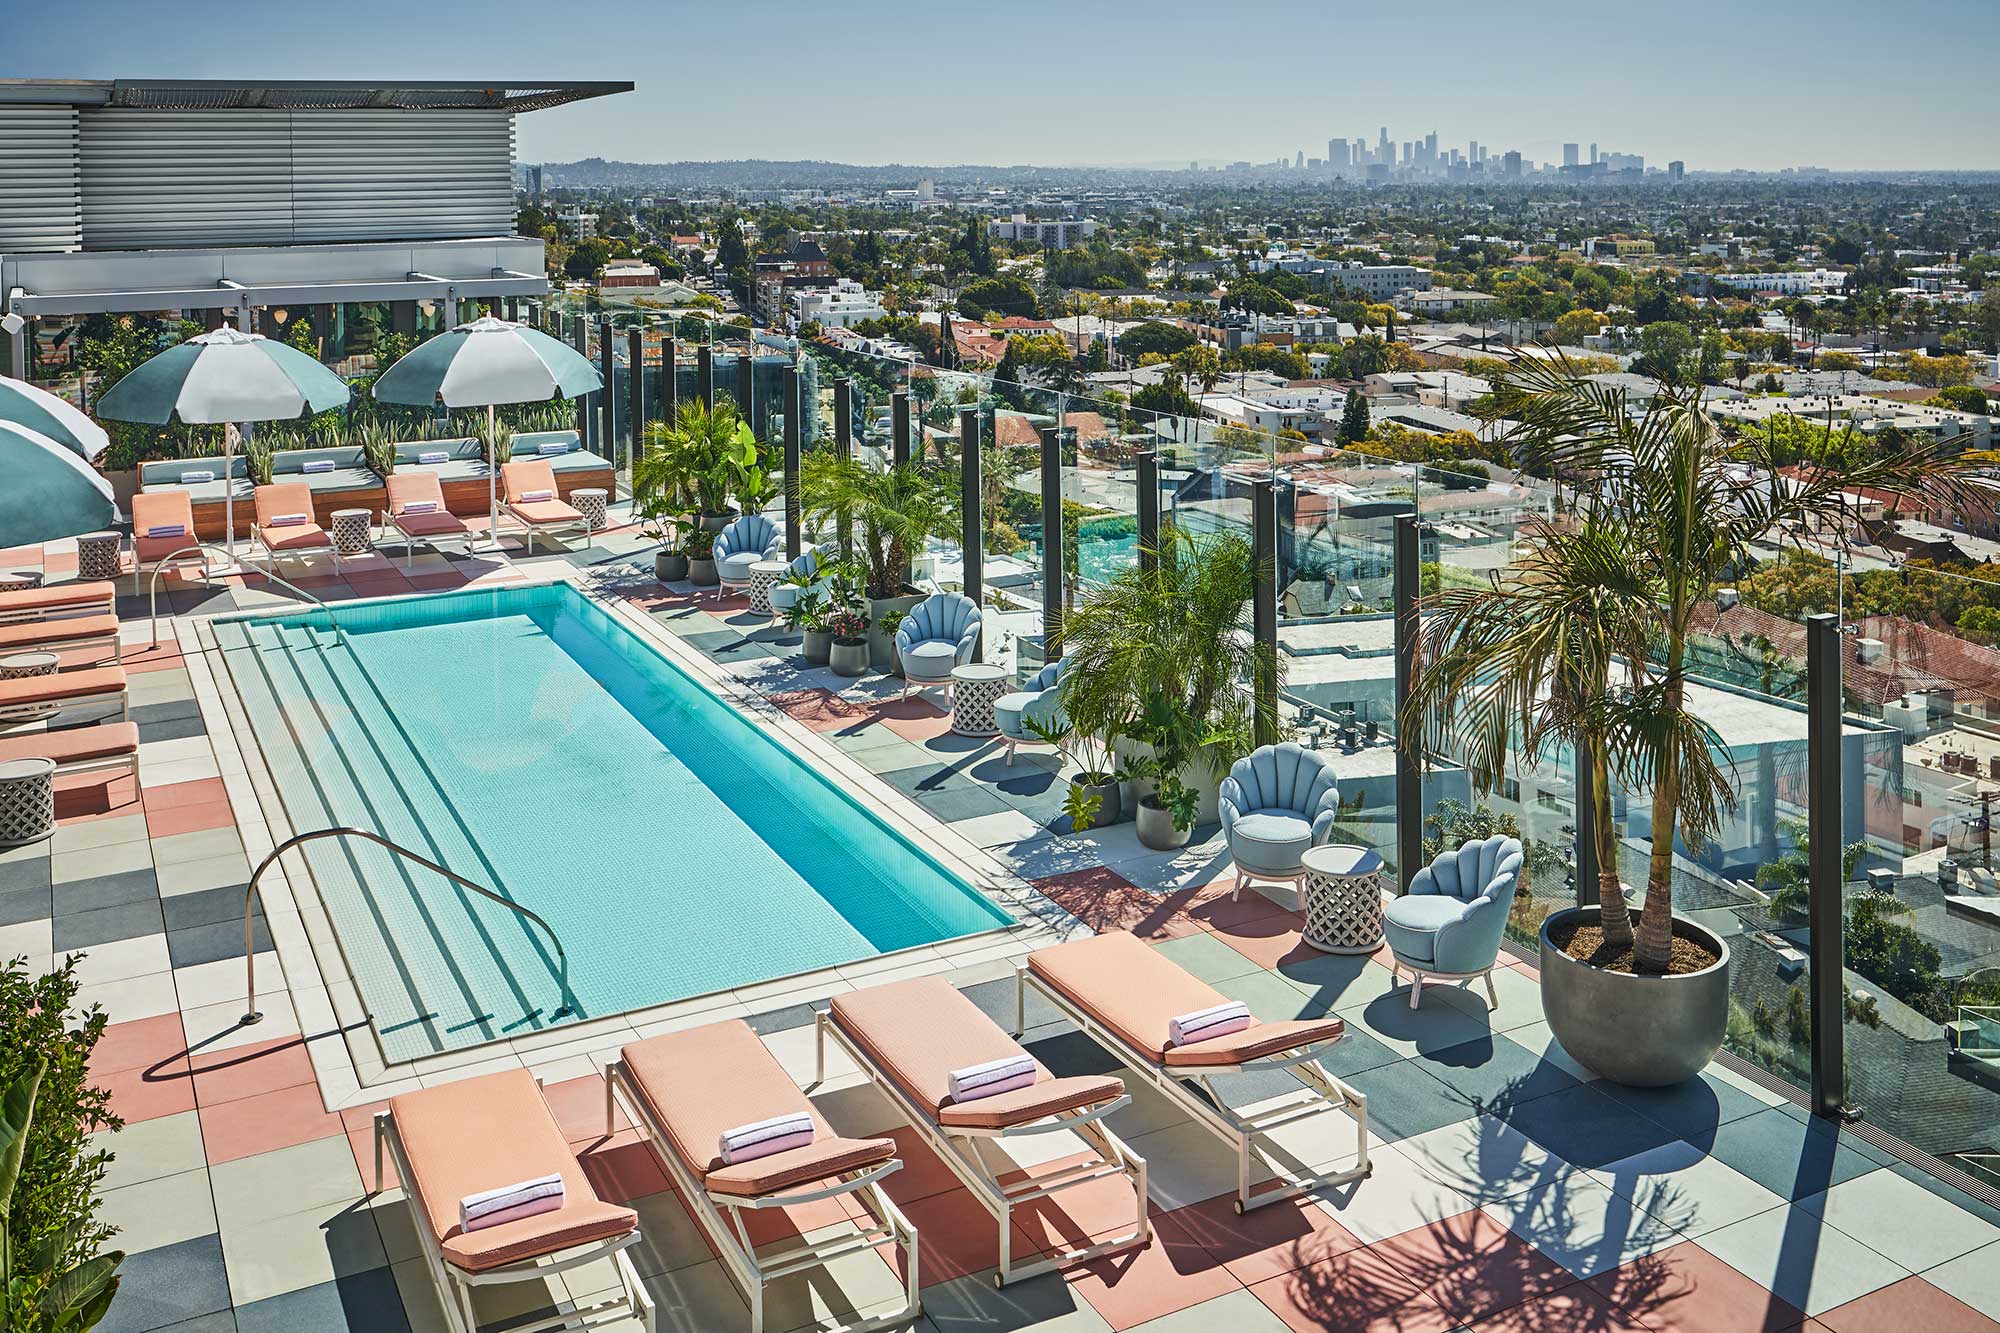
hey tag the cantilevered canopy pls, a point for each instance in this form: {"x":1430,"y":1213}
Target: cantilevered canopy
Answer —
{"x":47,"y":491}
{"x":487,"y":362}
{"x":44,"y":413}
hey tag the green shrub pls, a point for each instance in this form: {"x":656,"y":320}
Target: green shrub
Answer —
{"x":54,"y":1203}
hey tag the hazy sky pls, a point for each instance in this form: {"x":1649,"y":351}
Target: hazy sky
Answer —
{"x":1719,"y":83}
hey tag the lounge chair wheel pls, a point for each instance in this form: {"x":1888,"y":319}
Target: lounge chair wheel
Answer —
{"x":1237,"y":1204}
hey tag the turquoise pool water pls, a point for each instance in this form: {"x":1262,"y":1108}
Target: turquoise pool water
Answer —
{"x":527,"y":740}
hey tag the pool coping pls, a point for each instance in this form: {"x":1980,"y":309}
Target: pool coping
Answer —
{"x":354,"y":1070}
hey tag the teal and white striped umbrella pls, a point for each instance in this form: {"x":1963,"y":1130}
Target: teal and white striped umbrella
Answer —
{"x":53,"y":418}
{"x":225,"y":377}
{"x":483,"y":364}
{"x":47,"y":491}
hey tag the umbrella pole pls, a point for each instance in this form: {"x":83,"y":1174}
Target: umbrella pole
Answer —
{"x":492,"y":475}
{"x":229,"y":490}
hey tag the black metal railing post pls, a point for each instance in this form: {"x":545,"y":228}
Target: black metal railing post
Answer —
{"x":1264,"y":607}
{"x":1052,"y":544}
{"x":635,"y":412}
{"x":1407,"y":580}
{"x":972,"y":533}
{"x":670,"y":379}
{"x":1149,"y":507}
{"x":746,"y":386}
{"x":607,"y":407}
{"x":899,"y":404}
{"x":794,"y":430}
{"x":704,"y":375}
{"x":586,"y":404}
{"x":1826,"y":890}
{"x":843,"y":417}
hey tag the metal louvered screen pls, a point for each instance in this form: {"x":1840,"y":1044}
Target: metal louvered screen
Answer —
{"x":40,"y":201}
{"x":161,"y":179}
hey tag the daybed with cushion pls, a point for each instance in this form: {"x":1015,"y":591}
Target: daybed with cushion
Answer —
{"x":742,"y":543}
{"x":705,"y":1096}
{"x":939,"y":633}
{"x":1449,"y":925}
{"x":1278,"y":803}
{"x":463,"y":1139}
{"x":202,"y":480}
{"x":1040,"y":700}
{"x":1128,"y":997}
{"x":911,"y":1036}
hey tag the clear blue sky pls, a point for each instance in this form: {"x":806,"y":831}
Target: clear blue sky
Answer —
{"x":1719,"y":83}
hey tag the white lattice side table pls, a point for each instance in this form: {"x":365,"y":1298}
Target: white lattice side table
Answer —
{"x":593,"y":502}
{"x":1343,"y":899}
{"x":20,"y":666}
{"x":353,"y":531}
{"x":975,"y":688}
{"x":27,"y":801}
{"x":764,"y":576}
{"x":99,"y":556}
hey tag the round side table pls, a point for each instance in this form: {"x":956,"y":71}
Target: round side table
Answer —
{"x":764,"y":576}
{"x":591,"y":502}
{"x":1343,"y":899}
{"x":20,"y":666}
{"x":15,"y":580}
{"x":99,"y":556}
{"x":27,"y":801}
{"x":975,"y":688}
{"x":353,"y":531}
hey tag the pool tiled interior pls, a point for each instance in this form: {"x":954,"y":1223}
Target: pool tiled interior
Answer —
{"x":1510,"y":1191}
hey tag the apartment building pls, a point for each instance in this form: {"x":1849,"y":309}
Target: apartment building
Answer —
{"x":839,"y":306}
{"x":1052,"y":234}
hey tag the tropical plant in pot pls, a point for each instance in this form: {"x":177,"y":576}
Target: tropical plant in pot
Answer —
{"x":846,"y":618}
{"x":808,"y":615}
{"x":1159,"y":662}
{"x":701,"y":458}
{"x":890,"y":512}
{"x":1583,"y":644}
{"x":700,"y":548}
{"x":1093,"y":789}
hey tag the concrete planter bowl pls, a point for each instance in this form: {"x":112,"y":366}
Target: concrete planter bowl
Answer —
{"x":670,"y":566}
{"x":1643,"y":1032}
{"x":849,"y":657}
{"x":818,"y":646}
{"x":702,"y":573}
{"x":1156,"y":827}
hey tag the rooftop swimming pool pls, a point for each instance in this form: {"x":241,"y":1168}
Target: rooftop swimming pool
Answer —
{"x":525,"y":738}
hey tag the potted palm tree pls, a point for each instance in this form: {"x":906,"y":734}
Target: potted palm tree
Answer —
{"x":890,"y":512}
{"x":1583,"y":642}
{"x":1160,"y":663}
{"x":704,"y":455}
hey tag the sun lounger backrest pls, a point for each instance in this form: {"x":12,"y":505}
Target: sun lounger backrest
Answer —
{"x":284,"y":497}
{"x":525,"y":475}
{"x":702,"y":1081}
{"x":1125,"y":984}
{"x":407,"y":486}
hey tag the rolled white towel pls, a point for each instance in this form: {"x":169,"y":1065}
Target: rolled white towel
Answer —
{"x":992,"y":1078}
{"x":159,"y":530}
{"x":433,"y":456}
{"x":199,"y":474}
{"x":554,"y":447}
{"x":536,"y":497}
{"x":492,"y":1207}
{"x":762,"y":1138}
{"x":421,"y":507}
{"x":318,"y":465}
{"x":1218,"y":1020}
{"x":289,"y":520}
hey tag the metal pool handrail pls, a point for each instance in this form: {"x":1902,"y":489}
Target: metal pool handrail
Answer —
{"x":271,"y":575}
{"x":250,"y":1013}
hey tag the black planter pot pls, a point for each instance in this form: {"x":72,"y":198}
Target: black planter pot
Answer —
{"x":670,"y":566}
{"x":702,"y":573}
{"x":849,"y":657}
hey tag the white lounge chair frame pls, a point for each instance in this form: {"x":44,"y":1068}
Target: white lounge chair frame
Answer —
{"x":754,"y":1273}
{"x":454,"y":1285}
{"x":1213,"y":1113}
{"x":567,"y":526}
{"x":391,"y":521}
{"x":958,"y":1147}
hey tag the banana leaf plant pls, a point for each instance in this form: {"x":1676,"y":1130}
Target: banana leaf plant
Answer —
{"x":40,"y":1293}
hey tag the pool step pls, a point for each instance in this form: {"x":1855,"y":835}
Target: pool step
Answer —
{"x":438,"y":967}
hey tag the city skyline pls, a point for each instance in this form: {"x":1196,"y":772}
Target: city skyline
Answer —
{"x":1717,"y":87}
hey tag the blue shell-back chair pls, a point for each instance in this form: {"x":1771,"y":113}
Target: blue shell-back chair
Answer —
{"x":1040,"y":700}
{"x":1451,"y":921}
{"x":939,"y":633}
{"x":742,"y":544}
{"x":1278,"y":803}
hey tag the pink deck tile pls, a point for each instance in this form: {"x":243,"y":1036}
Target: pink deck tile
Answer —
{"x":189,"y":819}
{"x":1267,"y":940}
{"x":1268,"y":1242}
{"x":156,"y":1047}
{"x":1685,"y":1289}
{"x":251,"y":1071}
{"x":914,"y":719}
{"x":1167,"y":1276}
{"x":174,"y":795}
{"x":924,"y":1172}
{"x":1472,"y":1266}
{"x":1575,"y":1307}
{"x":1105,"y":900}
{"x":578,"y":1106}
{"x":956,"y":1237}
{"x":83,"y":797}
{"x":622,"y":1168}
{"x":1910,"y":1304}
{"x":823,"y":710}
{"x":135,"y":1096}
{"x":269,"y":1121}
{"x":1077,"y":1216}
{"x":1354,"y":1292}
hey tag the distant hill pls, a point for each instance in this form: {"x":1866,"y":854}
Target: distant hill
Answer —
{"x":763,"y":174}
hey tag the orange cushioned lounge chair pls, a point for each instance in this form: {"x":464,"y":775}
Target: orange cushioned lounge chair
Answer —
{"x":78,"y":749}
{"x":688,"y":1089}
{"x":1125,"y":995}
{"x":54,"y":602}
{"x":532,"y":500}
{"x":62,"y":635}
{"x":910,"y":1035}
{"x":39,"y":696}
{"x":462,"y":1139}
{"x":162,"y":532}
{"x":285,"y":523}
{"x":430,"y":521}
